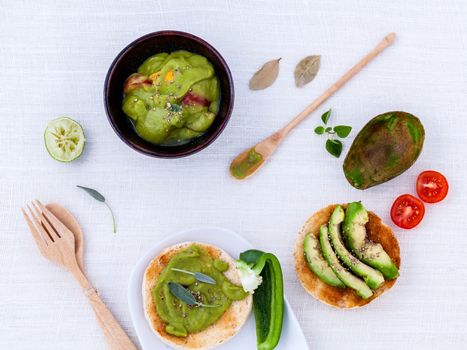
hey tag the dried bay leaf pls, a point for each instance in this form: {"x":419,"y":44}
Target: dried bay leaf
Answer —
{"x":266,"y":76}
{"x":306,"y":70}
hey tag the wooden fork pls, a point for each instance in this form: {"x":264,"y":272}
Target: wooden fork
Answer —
{"x":57,"y":243}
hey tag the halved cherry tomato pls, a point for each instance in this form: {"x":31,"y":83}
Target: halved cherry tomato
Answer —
{"x":407,"y":211}
{"x":432,"y":187}
{"x":194,"y":99}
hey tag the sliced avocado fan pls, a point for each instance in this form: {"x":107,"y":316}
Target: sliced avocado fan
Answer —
{"x":371,"y":253}
{"x":318,"y":264}
{"x":345,"y":276}
{"x":372,"y":277}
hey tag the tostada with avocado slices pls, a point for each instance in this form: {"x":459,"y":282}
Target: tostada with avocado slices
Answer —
{"x":346,"y":256}
{"x":193,"y":297}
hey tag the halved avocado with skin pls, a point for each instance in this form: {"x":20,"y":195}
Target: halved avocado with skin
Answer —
{"x":385,"y":147}
{"x":318,"y":264}
{"x":345,"y":276}
{"x":372,"y":277}
{"x":371,"y":253}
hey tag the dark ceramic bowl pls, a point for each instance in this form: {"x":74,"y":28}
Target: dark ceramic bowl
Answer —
{"x":128,"y":61}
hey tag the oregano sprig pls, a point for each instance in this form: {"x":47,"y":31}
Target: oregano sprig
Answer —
{"x":333,"y":145}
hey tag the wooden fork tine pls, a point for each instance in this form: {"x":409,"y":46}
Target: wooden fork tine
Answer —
{"x":55,"y":223}
{"x":35,"y":234}
{"x":52,"y":232}
{"x":37,"y":230}
{"x":48,"y":238}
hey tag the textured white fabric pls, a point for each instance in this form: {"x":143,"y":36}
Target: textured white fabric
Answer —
{"x":54,"y":55}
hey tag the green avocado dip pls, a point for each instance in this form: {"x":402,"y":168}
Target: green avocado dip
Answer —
{"x":181,"y":318}
{"x":173,"y":98}
{"x":247,"y":165}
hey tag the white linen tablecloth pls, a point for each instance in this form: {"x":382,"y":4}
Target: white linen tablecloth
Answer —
{"x":54,"y":56}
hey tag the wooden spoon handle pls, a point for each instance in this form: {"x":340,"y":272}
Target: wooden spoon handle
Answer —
{"x":116,"y":336}
{"x":388,"y":40}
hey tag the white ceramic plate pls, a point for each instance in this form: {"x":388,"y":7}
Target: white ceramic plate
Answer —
{"x":292,"y":335}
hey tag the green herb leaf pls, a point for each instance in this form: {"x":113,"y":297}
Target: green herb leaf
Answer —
{"x":328,"y":129}
{"x":342,"y":130}
{"x":199,"y":276}
{"x":334,"y":147}
{"x":99,"y":197}
{"x":94,"y":194}
{"x":182,"y":293}
{"x":319,"y":130}
{"x":185,"y":295}
{"x":325,"y":117}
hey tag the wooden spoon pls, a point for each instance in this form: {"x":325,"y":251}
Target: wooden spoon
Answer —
{"x":72,"y":224}
{"x":248,"y":162}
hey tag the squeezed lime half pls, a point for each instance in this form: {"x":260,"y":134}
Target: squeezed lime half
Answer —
{"x":64,"y":139}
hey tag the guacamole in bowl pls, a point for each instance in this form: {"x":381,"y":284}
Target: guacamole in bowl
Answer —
{"x":172,"y":98}
{"x":201,"y":98}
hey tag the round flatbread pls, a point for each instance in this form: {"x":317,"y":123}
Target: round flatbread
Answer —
{"x":344,"y":298}
{"x":217,"y":333}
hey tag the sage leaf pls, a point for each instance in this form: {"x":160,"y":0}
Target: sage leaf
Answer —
{"x":182,"y":293}
{"x":319,"y":130}
{"x":265,"y":76}
{"x":325,"y":117}
{"x":334,"y":147}
{"x":99,"y":197}
{"x":94,"y":194}
{"x":185,"y":295}
{"x":306,"y":70}
{"x":199,"y":276}
{"x":342,"y":130}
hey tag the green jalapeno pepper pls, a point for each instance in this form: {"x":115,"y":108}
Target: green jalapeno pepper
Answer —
{"x":268,"y":298}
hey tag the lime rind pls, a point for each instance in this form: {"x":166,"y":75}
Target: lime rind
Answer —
{"x":64,"y":139}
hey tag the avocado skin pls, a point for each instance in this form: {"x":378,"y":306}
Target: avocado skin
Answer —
{"x":367,"y":251}
{"x":385,"y":147}
{"x":345,"y":276}
{"x":318,"y":264}
{"x":373,"y":278}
